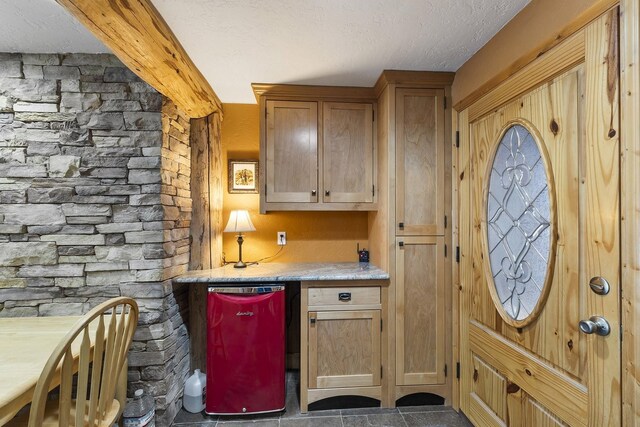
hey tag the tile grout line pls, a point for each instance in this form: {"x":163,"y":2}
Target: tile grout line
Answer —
{"x":403,"y":418}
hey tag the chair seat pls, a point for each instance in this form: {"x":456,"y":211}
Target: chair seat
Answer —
{"x":51,"y":416}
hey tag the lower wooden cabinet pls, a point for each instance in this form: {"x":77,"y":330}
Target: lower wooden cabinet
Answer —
{"x":342,"y":340}
{"x":420,"y":310}
{"x":344,"y":348}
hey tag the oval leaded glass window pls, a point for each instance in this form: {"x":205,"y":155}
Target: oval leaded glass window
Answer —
{"x":519,"y":226}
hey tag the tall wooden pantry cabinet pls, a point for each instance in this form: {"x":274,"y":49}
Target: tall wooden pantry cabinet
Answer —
{"x":410,"y":234}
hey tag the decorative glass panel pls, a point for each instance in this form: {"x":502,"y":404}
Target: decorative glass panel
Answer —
{"x":518,"y":222}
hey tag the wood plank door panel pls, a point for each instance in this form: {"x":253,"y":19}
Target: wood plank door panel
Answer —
{"x":344,"y":348}
{"x":420,"y":162}
{"x":543,"y":370}
{"x":292,"y":152}
{"x":420,"y":310}
{"x":347,"y":146}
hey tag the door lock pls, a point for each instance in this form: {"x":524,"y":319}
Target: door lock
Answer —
{"x":599,"y":285}
{"x":595,"y":325}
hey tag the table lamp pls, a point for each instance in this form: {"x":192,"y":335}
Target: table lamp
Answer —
{"x":239,"y":222}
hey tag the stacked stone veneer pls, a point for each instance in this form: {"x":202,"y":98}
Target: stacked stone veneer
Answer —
{"x":94,"y":203}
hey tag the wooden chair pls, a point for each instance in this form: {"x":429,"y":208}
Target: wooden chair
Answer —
{"x":95,"y":402}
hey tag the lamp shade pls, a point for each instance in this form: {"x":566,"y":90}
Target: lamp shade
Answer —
{"x":239,"y":222}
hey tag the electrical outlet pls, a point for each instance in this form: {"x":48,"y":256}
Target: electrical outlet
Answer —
{"x":282,"y":238}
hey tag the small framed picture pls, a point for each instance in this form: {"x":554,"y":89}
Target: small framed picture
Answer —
{"x":243,"y":176}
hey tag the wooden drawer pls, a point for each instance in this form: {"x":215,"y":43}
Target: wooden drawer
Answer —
{"x":344,"y":297}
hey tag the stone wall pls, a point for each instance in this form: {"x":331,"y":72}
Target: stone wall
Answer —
{"x":95,"y":203}
{"x":161,"y":351}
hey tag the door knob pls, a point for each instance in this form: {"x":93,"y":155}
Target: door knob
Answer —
{"x":313,"y":192}
{"x":595,"y":325}
{"x":327,"y":193}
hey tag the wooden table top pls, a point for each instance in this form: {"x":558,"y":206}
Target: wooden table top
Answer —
{"x":25,"y":346}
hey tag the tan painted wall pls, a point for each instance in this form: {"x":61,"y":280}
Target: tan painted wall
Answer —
{"x":311,"y":236}
{"x":540,"y":25}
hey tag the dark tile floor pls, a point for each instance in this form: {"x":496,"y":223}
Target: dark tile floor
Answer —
{"x":407,"y":416}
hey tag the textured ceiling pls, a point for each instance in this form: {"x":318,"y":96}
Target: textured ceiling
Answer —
{"x":43,"y":26}
{"x":325,"y":42}
{"x":328,"y":42}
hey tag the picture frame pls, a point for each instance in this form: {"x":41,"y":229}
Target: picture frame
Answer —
{"x":243,"y":176}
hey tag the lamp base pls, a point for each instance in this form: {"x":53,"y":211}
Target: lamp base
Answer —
{"x":239,"y":264}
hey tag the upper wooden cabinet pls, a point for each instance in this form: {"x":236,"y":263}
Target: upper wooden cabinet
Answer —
{"x":291,"y":152}
{"x":348,"y":152}
{"x":420,"y":159}
{"x":318,"y":149}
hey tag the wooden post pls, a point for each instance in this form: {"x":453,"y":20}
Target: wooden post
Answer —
{"x":206,"y":224}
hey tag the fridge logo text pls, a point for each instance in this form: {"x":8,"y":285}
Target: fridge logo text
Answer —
{"x":244,"y":313}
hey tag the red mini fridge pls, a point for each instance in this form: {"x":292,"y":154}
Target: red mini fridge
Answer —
{"x":245,"y":350}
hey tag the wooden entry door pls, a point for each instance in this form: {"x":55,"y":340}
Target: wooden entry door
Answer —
{"x":541,"y":200}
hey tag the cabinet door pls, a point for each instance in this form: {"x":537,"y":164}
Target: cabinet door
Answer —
{"x":292,"y":152}
{"x":344,"y":348}
{"x":347,"y":138}
{"x":420,"y":162}
{"x":420,"y":311}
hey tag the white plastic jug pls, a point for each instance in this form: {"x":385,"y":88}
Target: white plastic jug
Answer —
{"x":195,"y":392}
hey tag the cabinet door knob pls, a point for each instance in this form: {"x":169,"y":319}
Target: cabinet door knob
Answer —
{"x":401,"y":225}
{"x":313,"y":192}
{"x":326,"y":193}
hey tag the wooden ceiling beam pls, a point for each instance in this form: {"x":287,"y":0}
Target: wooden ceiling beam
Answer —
{"x":138,"y":35}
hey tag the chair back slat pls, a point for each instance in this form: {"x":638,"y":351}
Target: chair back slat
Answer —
{"x":108,"y":364}
{"x":66,"y":386}
{"x":93,"y":402}
{"x":83,"y":377}
{"x":96,"y":370}
{"x":117,"y":345}
{"x":129,"y":329}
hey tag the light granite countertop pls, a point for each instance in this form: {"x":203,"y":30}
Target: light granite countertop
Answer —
{"x":286,"y":272}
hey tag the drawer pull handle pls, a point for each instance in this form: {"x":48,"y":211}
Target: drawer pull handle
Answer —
{"x":312,"y":320}
{"x":344,"y":296}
